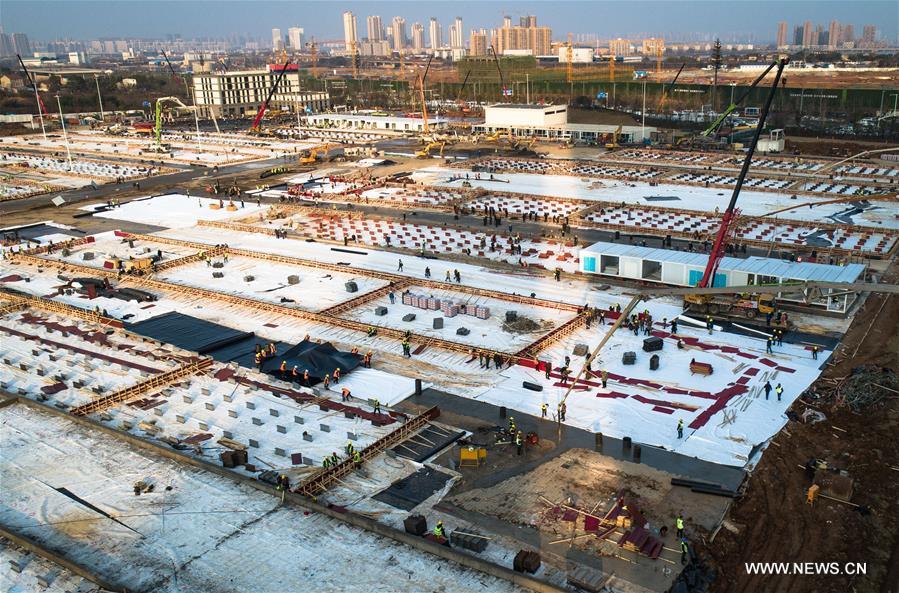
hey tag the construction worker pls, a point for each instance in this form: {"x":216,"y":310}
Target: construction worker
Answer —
{"x":326,"y":381}
{"x":679,"y":524}
{"x":548,"y":367}
{"x":779,"y":391}
{"x":326,"y":462}
{"x":780,"y":337}
{"x":407,"y":348}
{"x":306,"y":377}
{"x":680,"y":429}
{"x":357,"y":459}
{"x":438,"y":529}
{"x":345,"y":395}
{"x":519,"y":442}
{"x":371,"y":331}
{"x":377,"y":406}
{"x":366,"y":360}
{"x":349,"y":449}
{"x":259,"y":359}
{"x":562,"y":409}
{"x":604,"y":377}
{"x":512,"y":424}
{"x":335,"y":459}
{"x":272,"y":350}
{"x":769,"y":346}
{"x":684,"y":550}
{"x":283,"y":368}
{"x":767,"y":387}
{"x":294,"y":373}
{"x":709,"y":324}
{"x":337,"y":375}
{"x":543,"y":408}
{"x":814,"y":352}
{"x":674,"y":325}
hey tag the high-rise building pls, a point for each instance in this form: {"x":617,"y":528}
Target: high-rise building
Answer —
{"x":834,"y":34}
{"x":20,"y":44}
{"x":528,"y":21}
{"x":374,"y":28}
{"x":418,"y":37}
{"x":457,"y":33}
{"x":782,"y":34}
{"x":6,"y":46}
{"x":869,"y":36}
{"x":620,"y":47}
{"x":507,"y":22}
{"x":277,"y":40}
{"x":349,"y":29}
{"x":398,"y":27}
{"x":798,"y":34}
{"x":808,"y":34}
{"x":478,"y":42}
{"x":295,"y":37}
{"x":653,"y":45}
{"x":537,"y":40}
{"x":848,"y":35}
{"x":434,"y":34}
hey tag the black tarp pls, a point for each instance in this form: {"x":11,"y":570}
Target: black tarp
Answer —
{"x":190,"y":333}
{"x":318,"y":359}
{"x":225,"y":344}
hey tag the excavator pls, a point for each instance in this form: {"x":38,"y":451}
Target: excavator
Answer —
{"x":425,"y":152}
{"x":723,"y":304}
{"x":614,"y":143}
{"x":314,"y":155}
{"x":161,"y":103}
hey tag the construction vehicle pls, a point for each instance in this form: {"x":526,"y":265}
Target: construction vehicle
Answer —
{"x":425,"y":152}
{"x":257,"y":121}
{"x":614,"y":143}
{"x":161,"y":103}
{"x":710,"y":131}
{"x":314,"y":155}
{"x":699,"y":301}
{"x":667,"y":92}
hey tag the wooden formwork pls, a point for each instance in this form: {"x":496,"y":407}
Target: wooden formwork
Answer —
{"x":323,"y":479}
{"x":189,"y":259}
{"x":55,"y":246}
{"x":560,"y":333}
{"x":365,"y":298}
{"x":27,"y":300}
{"x":390,"y":277}
{"x":154,"y":383}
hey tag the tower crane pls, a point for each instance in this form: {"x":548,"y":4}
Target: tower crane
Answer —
{"x":569,"y":66}
{"x":313,"y":49}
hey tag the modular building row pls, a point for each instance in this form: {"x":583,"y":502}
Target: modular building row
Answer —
{"x":682,"y":268}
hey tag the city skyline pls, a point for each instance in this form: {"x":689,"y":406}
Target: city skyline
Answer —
{"x":687,"y":21}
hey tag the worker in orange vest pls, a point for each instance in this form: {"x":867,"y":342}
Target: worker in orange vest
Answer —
{"x":283,"y":367}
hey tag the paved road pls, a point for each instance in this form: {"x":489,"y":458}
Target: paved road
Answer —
{"x":150,"y":184}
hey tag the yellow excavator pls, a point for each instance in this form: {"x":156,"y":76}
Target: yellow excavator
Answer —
{"x":614,"y":143}
{"x":425,"y":152}
{"x":314,"y":155}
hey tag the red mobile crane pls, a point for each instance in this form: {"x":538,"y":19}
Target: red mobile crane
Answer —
{"x":731,"y":213}
{"x":271,"y":93}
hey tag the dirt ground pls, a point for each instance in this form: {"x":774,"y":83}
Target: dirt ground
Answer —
{"x":589,"y":480}
{"x":773,"y":522}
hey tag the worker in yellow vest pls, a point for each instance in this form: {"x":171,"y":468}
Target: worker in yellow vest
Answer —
{"x":679,"y":523}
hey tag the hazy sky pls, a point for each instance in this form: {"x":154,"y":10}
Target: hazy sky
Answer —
{"x":86,"y":19}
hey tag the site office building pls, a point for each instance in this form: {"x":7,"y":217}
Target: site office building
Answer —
{"x":241,"y":93}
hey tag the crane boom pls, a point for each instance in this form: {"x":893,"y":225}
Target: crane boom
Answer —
{"x":502,"y":83}
{"x":271,"y":93}
{"x":171,"y":68}
{"x":33,"y":83}
{"x":731,"y":212}
{"x":733,"y":106}
{"x":421,"y":96}
{"x":667,"y":92}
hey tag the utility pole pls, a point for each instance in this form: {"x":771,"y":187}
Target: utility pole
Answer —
{"x":100,"y":97}
{"x":716,"y":64}
{"x":62,"y":122}
{"x":643,"y":113}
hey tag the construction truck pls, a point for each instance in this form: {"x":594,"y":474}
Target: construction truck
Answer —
{"x":137,"y":266}
{"x":745,"y":305}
